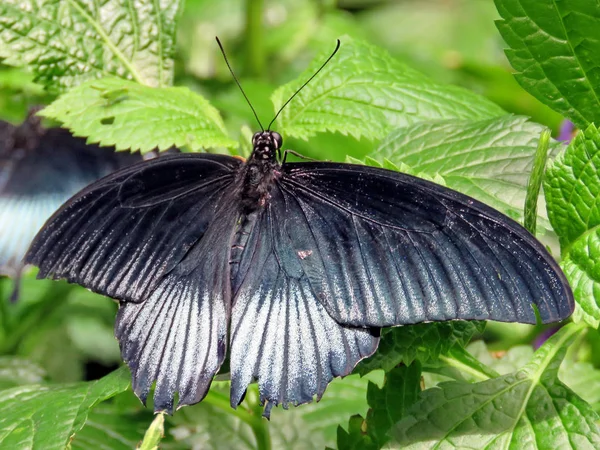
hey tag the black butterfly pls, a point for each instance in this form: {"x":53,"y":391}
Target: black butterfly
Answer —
{"x":40,"y":169}
{"x":293,"y":267}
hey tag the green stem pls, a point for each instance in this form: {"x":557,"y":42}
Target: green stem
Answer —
{"x":255,"y":57}
{"x":253,"y":420}
{"x":535,"y":181}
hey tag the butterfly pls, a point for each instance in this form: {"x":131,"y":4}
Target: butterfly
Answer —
{"x":288,"y":268}
{"x":40,"y":169}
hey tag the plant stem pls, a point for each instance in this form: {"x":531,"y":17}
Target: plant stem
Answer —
{"x":255,"y":57}
{"x":255,"y":422}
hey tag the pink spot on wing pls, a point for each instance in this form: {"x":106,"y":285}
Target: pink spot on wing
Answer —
{"x":303,"y":254}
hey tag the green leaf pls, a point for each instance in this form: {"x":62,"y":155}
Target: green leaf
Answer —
{"x":530,"y":407}
{"x":423,"y":342}
{"x":16,"y":371}
{"x":401,"y":167}
{"x":106,"y":428}
{"x":572,"y":188}
{"x":47,"y":417}
{"x":555,"y":48}
{"x":489,"y":160}
{"x":65,"y":43}
{"x":356,"y":438}
{"x":584,"y":379}
{"x":128,"y":115}
{"x":535,"y":182}
{"x":391,"y":402}
{"x":364,"y":92}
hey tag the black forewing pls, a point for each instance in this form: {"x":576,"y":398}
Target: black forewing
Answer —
{"x":383,"y":248}
{"x":122,"y":234}
{"x":281,"y":334}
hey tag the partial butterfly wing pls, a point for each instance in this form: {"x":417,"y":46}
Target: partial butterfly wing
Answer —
{"x":122,"y":234}
{"x":157,"y":236}
{"x":382,"y":248}
{"x":281,"y":334}
{"x":39,"y":170}
{"x":178,"y":336}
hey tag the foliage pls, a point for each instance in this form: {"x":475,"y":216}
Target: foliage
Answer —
{"x":128,"y":115}
{"x":66,"y":43}
{"x":554,"y":48}
{"x":121,"y":80}
{"x":529,"y":405}
{"x":572,"y":190}
{"x":30,"y":412}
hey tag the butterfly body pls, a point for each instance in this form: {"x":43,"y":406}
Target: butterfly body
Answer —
{"x":260,"y":171}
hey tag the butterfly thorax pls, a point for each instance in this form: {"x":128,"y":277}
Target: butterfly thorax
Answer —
{"x":260,"y":171}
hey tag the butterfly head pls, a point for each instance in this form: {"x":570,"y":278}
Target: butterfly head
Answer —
{"x":266,"y":145}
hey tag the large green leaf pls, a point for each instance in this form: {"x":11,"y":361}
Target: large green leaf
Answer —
{"x":47,"y":417}
{"x":65,"y":43}
{"x":423,"y":342}
{"x":489,"y":159}
{"x":555,"y":48}
{"x":108,"y":429}
{"x":112,"y":111}
{"x":572,"y":189}
{"x":530,"y":407}
{"x":364,"y":92}
{"x":582,"y":377}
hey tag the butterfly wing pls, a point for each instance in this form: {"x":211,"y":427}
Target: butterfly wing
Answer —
{"x":280,"y":333}
{"x":35,"y":181}
{"x":178,"y":336}
{"x":122,"y":234}
{"x":383,"y":248}
{"x":157,"y":236}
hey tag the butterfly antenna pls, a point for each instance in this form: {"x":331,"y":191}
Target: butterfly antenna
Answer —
{"x":337,"y":47}
{"x":238,"y":83}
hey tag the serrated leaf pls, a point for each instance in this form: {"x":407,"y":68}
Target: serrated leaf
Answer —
{"x":530,"y":407}
{"x":47,"y":417}
{"x":423,"y":342}
{"x":128,"y":115}
{"x":489,"y":160}
{"x":572,"y":189}
{"x":364,"y":92}
{"x":390,"y":403}
{"x":65,"y":43}
{"x":356,"y":437}
{"x":555,"y":48}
